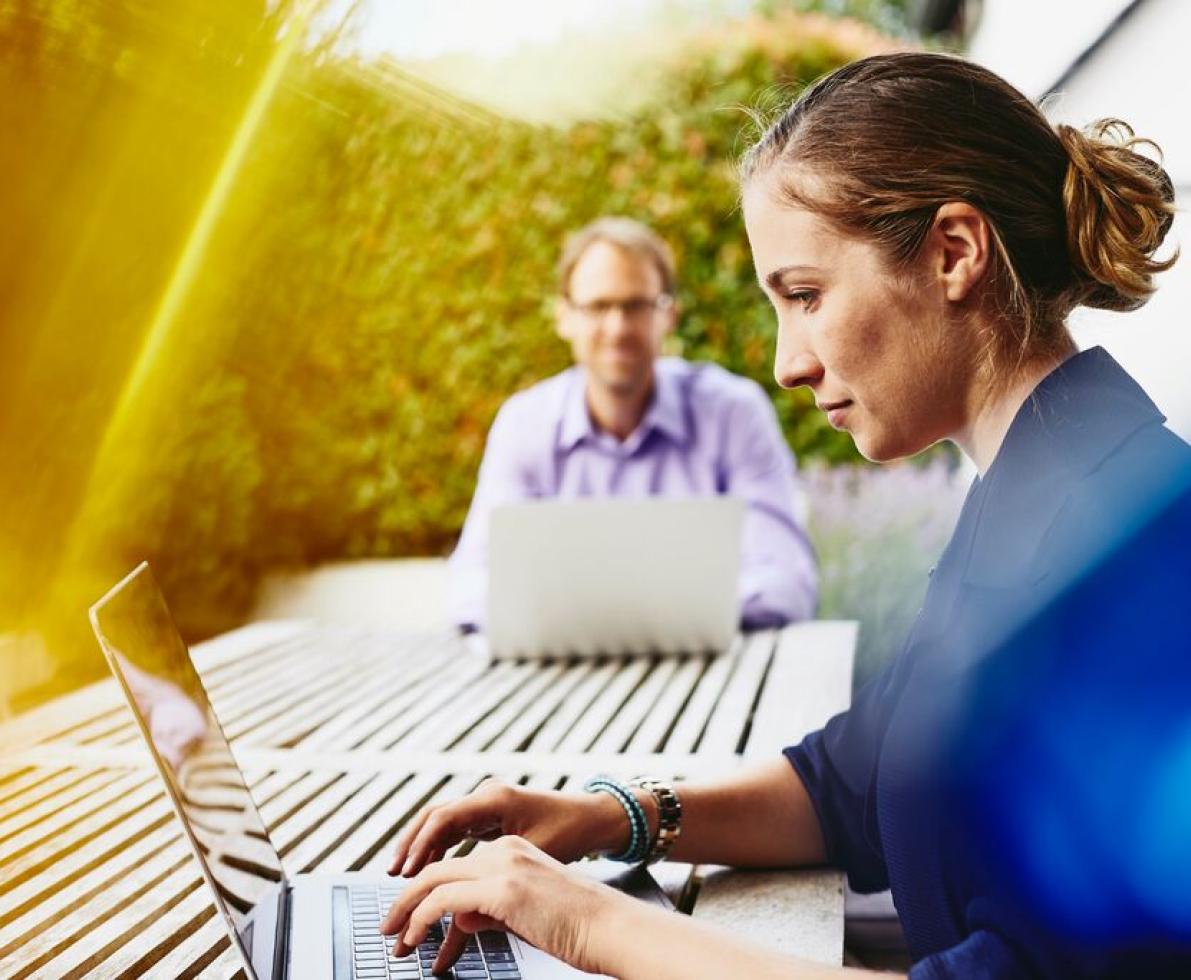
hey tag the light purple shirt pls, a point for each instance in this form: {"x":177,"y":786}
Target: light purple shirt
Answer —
{"x":706,"y":432}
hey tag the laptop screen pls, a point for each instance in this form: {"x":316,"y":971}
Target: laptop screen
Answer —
{"x":147,"y":655}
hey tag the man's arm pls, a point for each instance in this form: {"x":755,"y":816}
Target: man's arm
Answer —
{"x":504,"y":478}
{"x":778,"y":575}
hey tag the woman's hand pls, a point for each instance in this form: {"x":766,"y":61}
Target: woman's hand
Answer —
{"x":563,"y":825}
{"x":511,"y":885}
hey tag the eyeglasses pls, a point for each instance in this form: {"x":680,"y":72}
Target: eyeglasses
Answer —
{"x":633,"y":309}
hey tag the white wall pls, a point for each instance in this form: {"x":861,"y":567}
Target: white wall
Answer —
{"x":1141,"y":75}
{"x":1153,"y":343}
{"x":1031,"y":42}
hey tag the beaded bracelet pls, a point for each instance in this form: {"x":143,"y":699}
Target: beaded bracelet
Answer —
{"x":639,"y":842}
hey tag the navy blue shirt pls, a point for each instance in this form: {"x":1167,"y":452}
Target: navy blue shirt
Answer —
{"x":1086,"y":462}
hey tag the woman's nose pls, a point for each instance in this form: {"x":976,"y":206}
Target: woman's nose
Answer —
{"x":801,"y":368}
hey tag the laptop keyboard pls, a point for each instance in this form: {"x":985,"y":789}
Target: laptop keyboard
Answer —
{"x":487,"y":956}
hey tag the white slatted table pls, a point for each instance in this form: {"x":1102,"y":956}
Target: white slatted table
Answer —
{"x":343,"y":735}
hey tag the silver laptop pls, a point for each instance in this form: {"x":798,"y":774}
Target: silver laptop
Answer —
{"x":592,"y":577}
{"x":299,"y":926}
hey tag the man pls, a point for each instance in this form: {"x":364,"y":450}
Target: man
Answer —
{"x":625,"y":422}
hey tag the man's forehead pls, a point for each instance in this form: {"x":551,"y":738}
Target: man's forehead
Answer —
{"x":608,"y":265}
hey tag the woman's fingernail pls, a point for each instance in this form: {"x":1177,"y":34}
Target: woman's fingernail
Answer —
{"x":409,"y":866}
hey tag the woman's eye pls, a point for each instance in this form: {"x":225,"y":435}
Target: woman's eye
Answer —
{"x":802,"y":296}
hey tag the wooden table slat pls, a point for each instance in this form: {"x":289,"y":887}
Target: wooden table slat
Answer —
{"x":64,"y":831}
{"x":528,"y":695}
{"x":74,"y":945}
{"x":594,"y":680}
{"x":32,"y":917}
{"x":398,"y":685}
{"x":78,"y":860}
{"x":527,"y":727}
{"x":619,"y":731}
{"x":35,"y":792}
{"x":206,"y":952}
{"x":301,"y":690}
{"x":710,"y":685}
{"x":32,"y":820}
{"x":407,"y":713}
{"x":726,"y":725}
{"x":334,"y":829}
{"x":665,"y":714}
{"x":369,"y":846}
{"x":451,"y":719}
{"x":811,"y":680}
{"x":156,"y":928}
{"x":16,"y":779}
{"x":597,"y":715}
{"x":344,"y":734}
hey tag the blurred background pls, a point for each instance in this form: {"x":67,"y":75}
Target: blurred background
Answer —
{"x":269,"y":267}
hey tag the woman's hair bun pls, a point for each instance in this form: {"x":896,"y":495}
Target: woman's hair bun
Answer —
{"x":1120,"y":205}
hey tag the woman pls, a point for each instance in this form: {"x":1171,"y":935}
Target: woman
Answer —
{"x":922,"y":232}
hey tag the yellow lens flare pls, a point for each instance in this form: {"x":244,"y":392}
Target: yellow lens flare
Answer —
{"x":76,"y":554}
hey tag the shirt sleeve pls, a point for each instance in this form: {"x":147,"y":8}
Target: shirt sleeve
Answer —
{"x":838,"y":767}
{"x":504,"y":478}
{"x":778,"y":575}
{"x":1003,"y":941}
{"x":983,"y":955}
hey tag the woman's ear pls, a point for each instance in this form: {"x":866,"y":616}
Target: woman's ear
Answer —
{"x":960,"y":242}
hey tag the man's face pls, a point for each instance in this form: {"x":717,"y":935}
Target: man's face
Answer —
{"x":615,"y":317}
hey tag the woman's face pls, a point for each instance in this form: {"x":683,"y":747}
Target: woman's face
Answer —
{"x":880,"y":354}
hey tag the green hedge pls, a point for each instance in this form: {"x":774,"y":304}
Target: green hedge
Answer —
{"x":382,"y":280}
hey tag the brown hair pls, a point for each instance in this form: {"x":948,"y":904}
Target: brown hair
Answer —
{"x":1075,"y":217}
{"x":624,"y":233}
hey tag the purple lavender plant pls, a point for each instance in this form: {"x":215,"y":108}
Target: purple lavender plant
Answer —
{"x":878,"y":531}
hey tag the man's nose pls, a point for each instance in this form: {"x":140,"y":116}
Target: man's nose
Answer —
{"x":617,"y":322}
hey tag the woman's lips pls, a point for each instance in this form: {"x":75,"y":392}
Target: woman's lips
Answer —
{"x":836,"y":412}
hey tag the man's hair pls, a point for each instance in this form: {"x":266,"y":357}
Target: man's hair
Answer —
{"x":625,"y":233}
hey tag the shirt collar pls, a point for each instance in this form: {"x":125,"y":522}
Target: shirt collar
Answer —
{"x":1080,"y":412}
{"x":1075,"y":418}
{"x":666,"y":413}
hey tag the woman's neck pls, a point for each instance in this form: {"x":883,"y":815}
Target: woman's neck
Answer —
{"x":994,"y":406}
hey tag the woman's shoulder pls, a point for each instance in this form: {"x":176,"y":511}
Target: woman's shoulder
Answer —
{"x":1087,"y":456}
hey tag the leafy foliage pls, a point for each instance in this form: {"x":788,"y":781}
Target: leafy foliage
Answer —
{"x":379,"y":281}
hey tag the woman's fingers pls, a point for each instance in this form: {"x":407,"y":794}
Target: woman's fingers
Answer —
{"x":407,"y":836}
{"x":457,"y":937}
{"x":506,"y":885}
{"x":459,"y":869}
{"x":459,"y":897}
{"x":437,"y":828}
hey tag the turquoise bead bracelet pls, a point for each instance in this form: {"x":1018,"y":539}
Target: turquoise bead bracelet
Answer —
{"x":639,"y":843}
